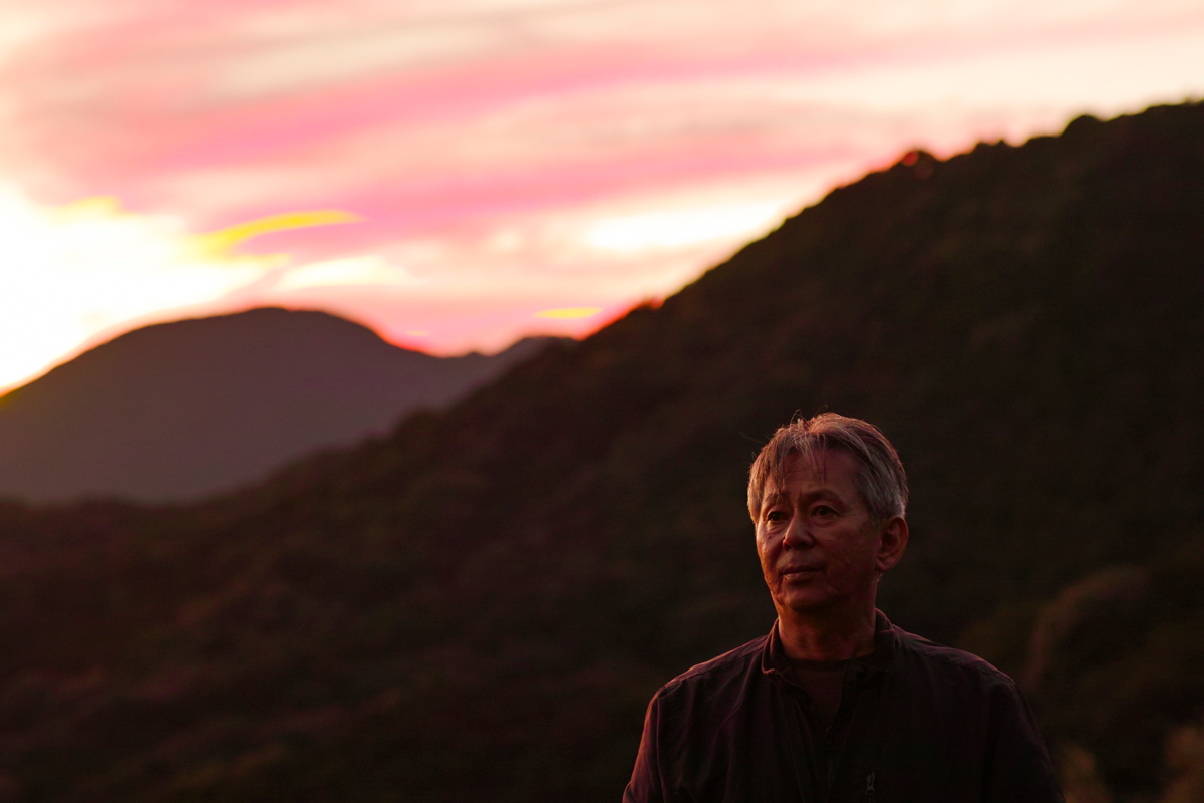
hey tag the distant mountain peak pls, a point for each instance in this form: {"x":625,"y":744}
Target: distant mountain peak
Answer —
{"x":179,"y":409}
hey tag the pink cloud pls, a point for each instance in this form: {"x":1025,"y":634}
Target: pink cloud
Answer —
{"x":483,"y":140}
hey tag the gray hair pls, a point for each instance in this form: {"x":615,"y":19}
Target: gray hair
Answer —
{"x":881,"y":480}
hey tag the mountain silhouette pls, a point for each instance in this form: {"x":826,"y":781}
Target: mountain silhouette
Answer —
{"x":479,"y":604}
{"x":182,"y":409}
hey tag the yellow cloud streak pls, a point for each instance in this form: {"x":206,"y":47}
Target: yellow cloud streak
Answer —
{"x":221,"y":243}
{"x":569,"y":313}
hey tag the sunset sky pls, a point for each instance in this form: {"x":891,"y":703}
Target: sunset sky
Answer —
{"x":459,"y":173}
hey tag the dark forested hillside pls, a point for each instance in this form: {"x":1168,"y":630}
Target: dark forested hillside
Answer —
{"x":188,"y":408}
{"x":479,"y":605}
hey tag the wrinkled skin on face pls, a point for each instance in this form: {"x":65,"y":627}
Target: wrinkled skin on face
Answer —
{"x":821,"y":552}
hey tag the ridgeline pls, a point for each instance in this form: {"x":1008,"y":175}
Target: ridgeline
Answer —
{"x":478,"y":606}
{"x":191,"y":408}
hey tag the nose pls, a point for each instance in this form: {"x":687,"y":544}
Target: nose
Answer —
{"x":797,"y":534}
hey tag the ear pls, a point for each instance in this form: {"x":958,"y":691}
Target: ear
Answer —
{"x":892,"y":542}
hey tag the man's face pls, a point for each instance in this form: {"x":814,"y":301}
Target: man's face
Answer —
{"x":819,"y":547}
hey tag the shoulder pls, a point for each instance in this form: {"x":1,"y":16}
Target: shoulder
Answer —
{"x":938,"y":656}
{"x":723,"y":675}
{"x":955,"y":698}
{"x":927,"y":662}
{"x":710,"y":697}
{"x":733,"y":662}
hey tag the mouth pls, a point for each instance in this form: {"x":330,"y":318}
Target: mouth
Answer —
{"x":799,"y":571}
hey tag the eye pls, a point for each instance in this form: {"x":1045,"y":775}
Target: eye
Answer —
{"x":775,"y":515}
{"x":823,"y":511}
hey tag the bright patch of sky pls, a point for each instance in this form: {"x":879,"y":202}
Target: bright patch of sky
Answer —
{"x":679,"y":227}
{"x":72,"y":272}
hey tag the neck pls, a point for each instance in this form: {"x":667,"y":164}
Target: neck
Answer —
{"x":829,"y":635}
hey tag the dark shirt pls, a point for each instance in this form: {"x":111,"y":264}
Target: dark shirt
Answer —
{"x":821,"y":680}
{"x":916,"y":722}
{"x":822,"y":687}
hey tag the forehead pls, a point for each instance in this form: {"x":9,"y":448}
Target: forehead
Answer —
{"x":829,"y":470}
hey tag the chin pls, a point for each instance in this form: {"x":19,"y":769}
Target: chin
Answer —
{"x":803,"y":602}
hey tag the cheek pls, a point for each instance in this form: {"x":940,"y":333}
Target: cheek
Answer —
{"x":762,"y":550}
{"x":767,"y":548}
{"x":859,"y":561}
{"x":852,"y":560}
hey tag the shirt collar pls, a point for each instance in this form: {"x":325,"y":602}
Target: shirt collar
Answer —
{"x":775,"y":662}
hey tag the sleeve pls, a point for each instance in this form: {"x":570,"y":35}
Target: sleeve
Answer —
{"x":1018,"y":765}
{"x":646,"y":784}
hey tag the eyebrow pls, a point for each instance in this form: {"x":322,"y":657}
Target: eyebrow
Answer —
{"x":823,"y":491}
{"x":773,"y":498}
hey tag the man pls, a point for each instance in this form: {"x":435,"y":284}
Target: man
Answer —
{"x":836,"y":703}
